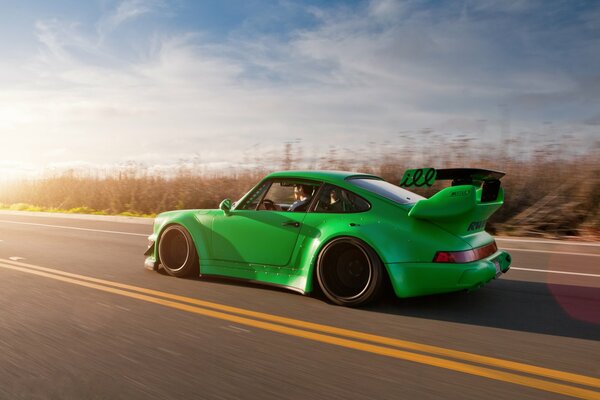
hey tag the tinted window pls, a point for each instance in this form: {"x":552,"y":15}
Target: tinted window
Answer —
{"x":387,"y":190}
{"x":333,"y":199}
{"x":280,"y":195}
{"x":289,"y":195}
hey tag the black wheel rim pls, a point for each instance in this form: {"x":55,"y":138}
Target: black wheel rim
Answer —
{"x":346,"y":270}
{"x":174,"y":249}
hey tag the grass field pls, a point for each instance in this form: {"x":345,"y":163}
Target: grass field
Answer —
{"x":548,"y":193}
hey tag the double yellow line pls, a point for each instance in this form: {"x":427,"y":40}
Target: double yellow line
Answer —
{"x":488,"y":367}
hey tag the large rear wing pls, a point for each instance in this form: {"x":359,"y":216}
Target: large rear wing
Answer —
{"x":488,"y":180}
{"x":460,"y":176}
{"x":464,"y":207}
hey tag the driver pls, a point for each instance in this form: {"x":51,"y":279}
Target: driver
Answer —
{"x":302,"y":198}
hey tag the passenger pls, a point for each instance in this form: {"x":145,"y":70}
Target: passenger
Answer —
{"x":302,"y":195}
{"x":335,"y":205}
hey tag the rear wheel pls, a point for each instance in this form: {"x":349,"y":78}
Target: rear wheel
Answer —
{"x":177,"y":253}
{"x":349,"y":272}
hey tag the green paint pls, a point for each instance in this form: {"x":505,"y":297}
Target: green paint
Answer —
{"x":280,"y":247}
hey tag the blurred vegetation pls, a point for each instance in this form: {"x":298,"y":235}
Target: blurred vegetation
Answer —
{"x":551,"y":189}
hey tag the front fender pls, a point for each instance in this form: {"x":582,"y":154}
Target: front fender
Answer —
{"x":197,"y":222}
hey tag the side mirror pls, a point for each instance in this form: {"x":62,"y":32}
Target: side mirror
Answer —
{"x":225,"y":206}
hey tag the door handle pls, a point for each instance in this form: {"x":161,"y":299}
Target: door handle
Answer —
{"x":291,"y":223}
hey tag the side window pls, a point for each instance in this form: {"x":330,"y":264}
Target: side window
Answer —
{"x":289,"y":195}
{"x":333,"y":199}
{"x":279,"y":197}
{"x":251,"y":202}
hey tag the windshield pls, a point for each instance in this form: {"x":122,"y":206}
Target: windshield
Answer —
{"x":387,"y":190}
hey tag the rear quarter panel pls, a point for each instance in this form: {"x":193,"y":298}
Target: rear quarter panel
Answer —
{"x":386,"y":228}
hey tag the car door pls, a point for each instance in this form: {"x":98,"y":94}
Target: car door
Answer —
{"x":252,"y":234}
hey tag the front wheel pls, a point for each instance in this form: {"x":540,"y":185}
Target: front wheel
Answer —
{"x":349,"y":272}
{"x":177,"y":253}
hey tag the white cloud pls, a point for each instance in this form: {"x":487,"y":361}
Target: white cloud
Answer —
{"x":506,"y":6}
{"x":127,"y":10}
{"x":354,"y":78}
{"x":50,"y":34}
{"x":389,"y":10}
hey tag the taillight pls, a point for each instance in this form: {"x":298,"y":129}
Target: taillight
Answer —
{"x":466,"y":255}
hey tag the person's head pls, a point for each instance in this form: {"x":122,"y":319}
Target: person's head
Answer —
{"x":301,"y":192}
{"x":333,"y":196}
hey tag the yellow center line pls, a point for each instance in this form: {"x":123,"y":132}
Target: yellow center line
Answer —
{"x":440,"y":351}
{"x":367,"y":347}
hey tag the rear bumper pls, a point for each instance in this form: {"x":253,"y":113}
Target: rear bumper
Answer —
{"x":418,"y":279}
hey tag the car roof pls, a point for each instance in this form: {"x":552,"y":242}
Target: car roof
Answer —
{"x":327,"y":176}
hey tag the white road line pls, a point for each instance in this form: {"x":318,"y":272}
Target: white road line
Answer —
{"x":556,"y":242}
{"x":74,"y":228}
{"x":552,"y":252}
{"x":82,"y":217}
{"x":171,"y":352}
{"x":236,"y":328}
{"x":555,"y":272}
{"x":16,"y":258}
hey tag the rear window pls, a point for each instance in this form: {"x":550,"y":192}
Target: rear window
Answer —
{"x":387,"y":190}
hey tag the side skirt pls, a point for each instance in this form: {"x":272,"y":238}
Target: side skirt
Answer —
{"x":254,"y":281}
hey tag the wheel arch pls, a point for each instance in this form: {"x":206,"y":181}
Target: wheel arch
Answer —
{"x":197,"y":230}
{"x":311,"y":278}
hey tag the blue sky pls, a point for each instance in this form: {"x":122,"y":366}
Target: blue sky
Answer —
{"x":100,"y":83}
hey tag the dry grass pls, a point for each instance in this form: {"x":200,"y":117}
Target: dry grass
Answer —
{"x":547,"y":193}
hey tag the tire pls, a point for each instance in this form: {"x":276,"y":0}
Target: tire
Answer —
{"x":177,"y":253}
{"x":349,"y":272}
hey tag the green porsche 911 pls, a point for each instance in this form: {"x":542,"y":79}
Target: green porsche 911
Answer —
{"x":345,"y":232}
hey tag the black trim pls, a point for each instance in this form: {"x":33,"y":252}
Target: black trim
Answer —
{"x":490,"y":190}
{"x":313,"y":201}
{"x":466,"y":176}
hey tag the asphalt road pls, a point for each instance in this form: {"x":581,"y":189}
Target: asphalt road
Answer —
{"x":80,"y":318}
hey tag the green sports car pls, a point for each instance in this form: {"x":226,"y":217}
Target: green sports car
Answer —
{"x":343,"y":232}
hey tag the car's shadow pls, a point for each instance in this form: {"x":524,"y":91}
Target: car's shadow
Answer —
{"x":560,"y":310}
{"x":551,"y":309}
